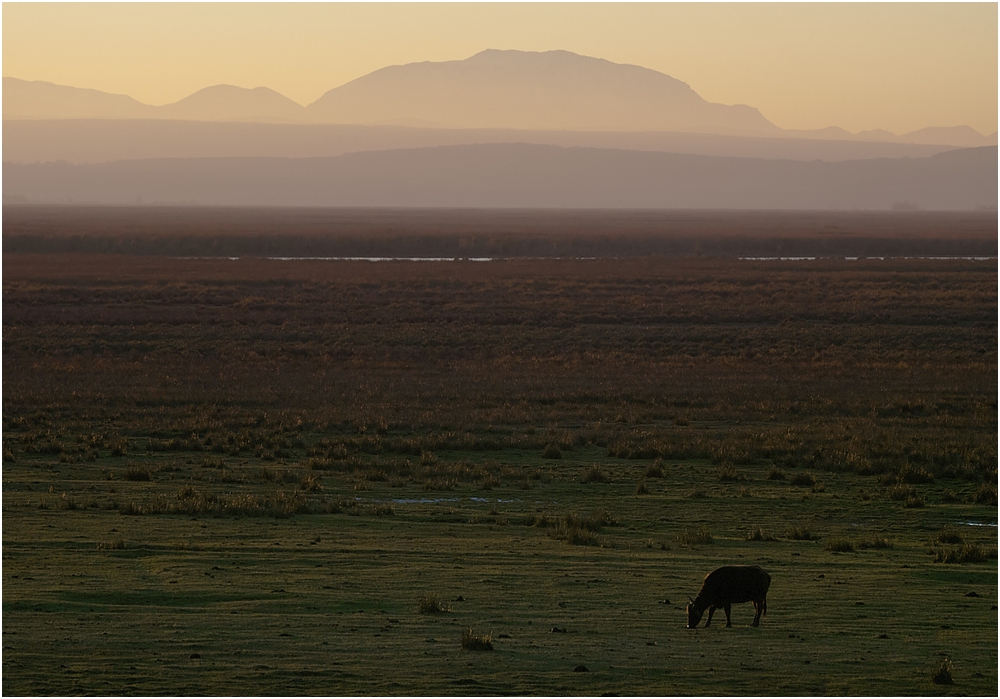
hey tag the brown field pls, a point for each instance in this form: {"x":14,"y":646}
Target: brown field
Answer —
{"x":263,"y":476}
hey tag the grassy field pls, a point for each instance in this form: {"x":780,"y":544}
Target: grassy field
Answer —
{"x":261,"y":477}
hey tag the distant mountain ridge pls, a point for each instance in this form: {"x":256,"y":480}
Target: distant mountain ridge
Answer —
{"x":518,"y":90}
{"x":515,"y":175}
{"x":533,"y":90}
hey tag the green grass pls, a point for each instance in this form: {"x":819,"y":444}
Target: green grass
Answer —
{"x":226,"y":484}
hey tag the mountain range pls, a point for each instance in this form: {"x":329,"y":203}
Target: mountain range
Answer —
{"x":511,"y":175}
{"x":507,"y":90}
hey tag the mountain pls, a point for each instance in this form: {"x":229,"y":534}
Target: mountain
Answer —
{"x":103,"y":140}
{"x":553,"y":91}
{"x":532,"y":90}
{"x":35,"y":99}
{"x":520,"y":176}
{"x":231,"y":103}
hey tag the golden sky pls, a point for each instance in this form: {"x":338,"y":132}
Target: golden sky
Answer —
{"x":897,"y":66}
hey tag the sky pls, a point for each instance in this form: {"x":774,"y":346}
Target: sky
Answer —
{"x":895,"y":66}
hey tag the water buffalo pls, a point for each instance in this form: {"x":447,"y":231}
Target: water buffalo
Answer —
{"x":727,"y":585}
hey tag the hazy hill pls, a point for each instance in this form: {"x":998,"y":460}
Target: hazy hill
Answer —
{"x":95,"y":140}
{"x":231,"y":103}
{"x":532,"y":90}
{"x":521,"y":176}
{"x":35,"y":99}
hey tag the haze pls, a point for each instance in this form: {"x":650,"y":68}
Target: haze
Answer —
{"x":899,"y":67}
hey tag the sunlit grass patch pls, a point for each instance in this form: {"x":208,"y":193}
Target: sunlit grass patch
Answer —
{"x":699,"y":536}
{"x":431,"y":604}
{"x":472,"y":640}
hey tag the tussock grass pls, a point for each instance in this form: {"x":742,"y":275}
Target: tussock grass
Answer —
{"x":699,"y":536}
{"x":775,"y":474}
{"x":950,"y":535}
{"x":655,"y":469}
{"x":757,"y":534}
{"x":839,"y":545}
{"x":968,"y":553}
{"x":804,"y":479}
{"x":472,"y":640}
{"x":551,"y":452}
{"x":986,"y":495}
{"x":594,"y":475}
{"x":431,"y":604}
{"x":135,"y":472}
{"x":728,"y":473}
{"x":943,"y":673}
{"x":801,"y":534}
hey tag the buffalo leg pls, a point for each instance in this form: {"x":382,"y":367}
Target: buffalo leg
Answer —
{"x":711,"y":611}
{"x":728,"y":608}
{"x":758,"y":607}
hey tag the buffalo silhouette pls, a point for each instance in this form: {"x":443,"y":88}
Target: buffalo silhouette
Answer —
{"x":728,"y":585}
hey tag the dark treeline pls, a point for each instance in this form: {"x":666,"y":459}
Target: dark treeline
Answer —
{"x":492,"y":233}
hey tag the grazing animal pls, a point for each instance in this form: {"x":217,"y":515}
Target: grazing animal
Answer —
{"x":728,"y":585}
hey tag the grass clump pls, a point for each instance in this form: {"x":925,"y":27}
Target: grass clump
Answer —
{"x":655,"y":469}
{"x":801,"y":534}
{"x":641,"y":488}
{"x":943,"y":673}
{"x":874,"y":542}
{"x":840,"y":545}
{"x":969,"y":553}
{"x":804,"y":479}
{"x":949,"y":535}
{"x":728,"y":473}
{"x":757,"y":534}
{"x":594,"y":475}
{"x":986,"y":495}
{"x":134,"y":472}
{"x":551,"y":452}
{"x":695,"y":537}
{"x":431,"y":604}
{"x":775,"y":474}
{"x":471,"y":640}
{"x":582,"y":531}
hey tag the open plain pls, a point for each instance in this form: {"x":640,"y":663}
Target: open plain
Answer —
{"x":272,"y":476}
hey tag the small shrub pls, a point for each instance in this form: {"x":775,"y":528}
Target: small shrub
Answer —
{"x":728,"y":473}
{"x":804,"y":479}
{"x":476,"y":641}
{"x":874,"y":542}
{"x":840,"y":546}
{"x":431,"y":604}
{"x":949,"y":535}
{"x":594,"y":475}
{"x":382,"y":510}
{"x":969,"y":553}
{"x":311,"y":483}
{"x":641,"y":488}
{"x":134,"y":472}
{"x":695,"y":537}
{"x":986,"y":495}
{"x":908,"y":474}
{"x":901,"y":492}
{"x":655,"y":469}
{"x":551,"y":452}
{"x":914,"y":501}
{"x":68,"y":503}
{"x":757,"y":534}
{"x":801,"y":534}
{"x":942,"y":675}
{"x":775,"y":474}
